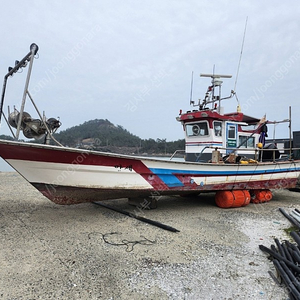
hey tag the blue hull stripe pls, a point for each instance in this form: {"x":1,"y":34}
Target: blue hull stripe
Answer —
{"x":168,"y":177}
{"x":170,"y":180}
{"x":160,"y":172}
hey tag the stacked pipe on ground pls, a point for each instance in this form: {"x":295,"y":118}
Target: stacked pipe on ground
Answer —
{"x":286,"y":256}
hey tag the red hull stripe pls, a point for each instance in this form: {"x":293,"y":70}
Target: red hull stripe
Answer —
{"x":208,"y":142}
{"x":67,"y":156}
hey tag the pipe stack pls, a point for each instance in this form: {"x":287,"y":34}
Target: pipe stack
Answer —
{"x":286,"y":256}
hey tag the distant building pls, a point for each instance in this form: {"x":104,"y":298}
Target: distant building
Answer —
{"x":88,"y":143}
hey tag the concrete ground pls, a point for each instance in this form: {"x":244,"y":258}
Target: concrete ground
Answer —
{"x":89,"y":252}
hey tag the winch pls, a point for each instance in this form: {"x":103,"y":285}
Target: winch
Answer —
{"x":33,"y":128}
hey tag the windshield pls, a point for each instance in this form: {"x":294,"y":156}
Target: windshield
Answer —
{"x":197,"y":129}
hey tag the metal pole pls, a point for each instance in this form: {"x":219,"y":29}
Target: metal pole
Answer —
{"x":126,"y":213}
{"x":9,"y":127}
{"x":290,"y":130}
{"x":220,"y":98}
{"x":13,"y":70}
{"x":2,"y":97}
{"x":33,"y":51}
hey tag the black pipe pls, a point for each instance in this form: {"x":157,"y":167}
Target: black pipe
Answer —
{"x":296,"y":237}
{"x":296,"y":257}
{"x":294,"y":254}
{"x":273,"y":248}
{"x":295,"y":248}
{"x":155,"y":223}
{"x":279,"y":257}
{"x":291,"y":276}
{"x":290,"y":218}
{"x":286,"y":279}
{"x":280,"y":249}
{"x":274,"y":278}
{"x":287,"y":253}
{"x":297,"y":210}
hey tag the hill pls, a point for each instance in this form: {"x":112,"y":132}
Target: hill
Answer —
{"x":98,"y":133}
{"x":103,"y":135}
{"x":6,"y":137}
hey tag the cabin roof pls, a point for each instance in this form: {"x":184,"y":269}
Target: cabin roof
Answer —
{"x":213,"y":114}
{"x":246,"y":118}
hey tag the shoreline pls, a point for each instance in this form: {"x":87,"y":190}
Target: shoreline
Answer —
{"x":88,"y":252}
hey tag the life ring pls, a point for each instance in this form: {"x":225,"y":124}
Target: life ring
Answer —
{"x":196,"y":130}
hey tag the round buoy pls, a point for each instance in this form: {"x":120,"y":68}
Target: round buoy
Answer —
{"x":232,"y":199}
{"x":260,"y":145}
{"x":261,"y":196}
{"x":247,"y":197}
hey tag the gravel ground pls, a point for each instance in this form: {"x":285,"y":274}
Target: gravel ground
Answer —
{"x":89,"y":252}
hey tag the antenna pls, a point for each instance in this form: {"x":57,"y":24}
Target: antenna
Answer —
{"x":191,"y":95}
{"x":238,"y":69}
{"x":215,"y":75}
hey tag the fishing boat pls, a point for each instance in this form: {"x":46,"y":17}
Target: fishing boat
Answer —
{"x":225,"y":153}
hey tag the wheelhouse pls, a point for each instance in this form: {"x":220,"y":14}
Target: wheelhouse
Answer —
{"x":208,"y":128}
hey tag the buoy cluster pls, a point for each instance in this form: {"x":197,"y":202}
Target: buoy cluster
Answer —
{"x":261,"y":196}
{"x":240,"y":198}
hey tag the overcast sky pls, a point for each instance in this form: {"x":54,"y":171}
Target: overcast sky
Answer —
{"x":131,"y":61}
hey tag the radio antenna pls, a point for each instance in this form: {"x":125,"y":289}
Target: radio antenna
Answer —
{"x":191,"y":95}
{"x":238,"y":69}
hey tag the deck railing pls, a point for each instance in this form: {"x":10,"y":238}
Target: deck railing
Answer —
{"x":176,"y":153}
{"x":258,"y":152}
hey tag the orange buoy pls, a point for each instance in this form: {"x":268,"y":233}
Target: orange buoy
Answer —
{"x":247,"y":197}
{"x":269,"y":195}
{"x":231,"y":199}
{"x":261,"y":196}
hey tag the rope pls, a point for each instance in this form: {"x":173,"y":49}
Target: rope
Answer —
{"x":252,"y":174}
{"x":129,"y":244}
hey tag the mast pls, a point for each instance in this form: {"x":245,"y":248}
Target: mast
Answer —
{"x":34,"y":49}
{"x":290,"y":129}
{"x":216,"y":82}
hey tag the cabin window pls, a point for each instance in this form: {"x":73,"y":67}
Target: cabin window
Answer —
{"x":198,"y":129}
{"x":246,"y":143}
{"x":248,"y":127}
{"x":250,"y":142}
{"x":231,"y":132}
{"x":218,"y":128}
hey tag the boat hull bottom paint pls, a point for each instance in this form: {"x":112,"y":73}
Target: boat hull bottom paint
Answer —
{"x":65,"y":195}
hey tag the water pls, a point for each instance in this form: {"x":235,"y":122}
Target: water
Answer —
{"x":4,"y":166}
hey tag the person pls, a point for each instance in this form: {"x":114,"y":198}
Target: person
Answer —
{"x":263,"y":134}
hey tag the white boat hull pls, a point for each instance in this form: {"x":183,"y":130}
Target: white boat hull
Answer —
{"x":67,"y":175}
